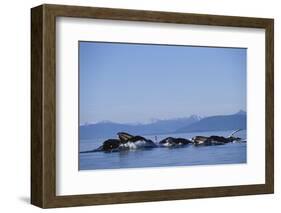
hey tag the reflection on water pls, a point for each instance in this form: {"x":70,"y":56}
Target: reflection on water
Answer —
{"x":159,"y":157}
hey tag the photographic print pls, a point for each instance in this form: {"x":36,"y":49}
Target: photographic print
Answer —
{"x":156,"y":105}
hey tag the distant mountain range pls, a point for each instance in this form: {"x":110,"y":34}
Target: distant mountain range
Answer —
{"x":109,"y":129}
{"x":218,"y":123}
{"x":180,"y":125}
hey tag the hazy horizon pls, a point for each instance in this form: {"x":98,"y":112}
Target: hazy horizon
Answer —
{"x":134,"y":83}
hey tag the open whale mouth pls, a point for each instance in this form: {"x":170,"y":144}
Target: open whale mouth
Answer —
{"x":124,"y":137}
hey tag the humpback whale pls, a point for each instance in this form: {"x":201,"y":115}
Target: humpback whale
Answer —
{"x":200,"y":140}
{"x":109,"y":145}
{"x":125,"y":142}
{"x":172,"y":142}
{"x":215,"y":140}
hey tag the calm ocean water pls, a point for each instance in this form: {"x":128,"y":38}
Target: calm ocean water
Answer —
{"x":232,"y":153}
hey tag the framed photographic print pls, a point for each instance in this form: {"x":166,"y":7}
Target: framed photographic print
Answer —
{"x":136,"y":106}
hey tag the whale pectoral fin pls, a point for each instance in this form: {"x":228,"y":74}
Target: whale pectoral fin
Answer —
{"x":99,"y":149}
{"x":238,"y":130}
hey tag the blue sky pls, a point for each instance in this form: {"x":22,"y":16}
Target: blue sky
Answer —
{"x":135,"y":83}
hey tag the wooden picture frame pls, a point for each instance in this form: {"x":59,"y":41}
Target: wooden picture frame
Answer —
{"x":43,"y":105}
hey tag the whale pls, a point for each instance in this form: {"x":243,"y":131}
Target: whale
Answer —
{"x":124,"y":142}
{"x":174,"y":142}
{"x":109,"y":145}
{"x":215,"y":139}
